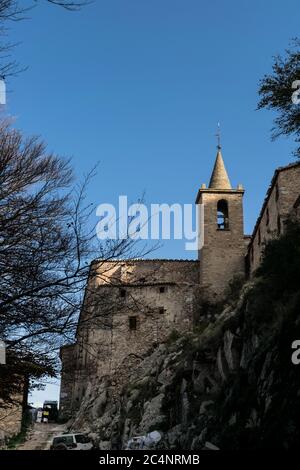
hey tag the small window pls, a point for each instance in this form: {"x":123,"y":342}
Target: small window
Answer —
{"x":267,"y":217}
{"x":278,"y":225}
{"x":162,"y":290}
{"x":161,"y":310}
{"x":122,"y":293}
{"x":132,"y":323}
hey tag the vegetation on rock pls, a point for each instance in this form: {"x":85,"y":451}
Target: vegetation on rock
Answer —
{"x":231,"y":382}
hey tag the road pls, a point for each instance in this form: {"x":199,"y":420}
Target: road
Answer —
{"x":40,"y":437}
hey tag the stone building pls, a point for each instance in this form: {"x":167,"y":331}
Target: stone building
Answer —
{"x":282,"y":199}
{"x":131,"y":306}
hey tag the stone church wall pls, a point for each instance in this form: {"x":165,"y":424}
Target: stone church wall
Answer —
{"x":132,"y":306}
{"x":129,"y":308}
{"x":279,"y":203}
{"x":223,"y":253}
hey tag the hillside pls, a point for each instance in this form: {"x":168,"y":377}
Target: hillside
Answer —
{"x":231,"y":382}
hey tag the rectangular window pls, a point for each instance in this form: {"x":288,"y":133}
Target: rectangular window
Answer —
{"x":132,"y":323}
{"x":162,"y":290}
{"x":122,"y":293}
{"x":161,"y":310}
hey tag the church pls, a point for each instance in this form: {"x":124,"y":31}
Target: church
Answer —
{"x":131,"y":306}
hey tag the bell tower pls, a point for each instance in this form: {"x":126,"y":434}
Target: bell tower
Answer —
{"x":222,"y":248}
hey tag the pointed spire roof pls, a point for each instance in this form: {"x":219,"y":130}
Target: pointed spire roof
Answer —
{"x":219,"y":178}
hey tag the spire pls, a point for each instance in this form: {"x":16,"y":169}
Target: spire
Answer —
{"x":219,"y":178}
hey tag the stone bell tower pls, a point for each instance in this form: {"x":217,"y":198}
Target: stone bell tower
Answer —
{"x":222,"y":247}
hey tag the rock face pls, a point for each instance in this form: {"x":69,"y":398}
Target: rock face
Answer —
{"x":231,"y":385}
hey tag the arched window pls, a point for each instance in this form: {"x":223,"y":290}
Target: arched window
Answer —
{"x":222,"y":215}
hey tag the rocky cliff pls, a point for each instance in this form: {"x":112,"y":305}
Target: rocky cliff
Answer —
{"x":230,"y":383}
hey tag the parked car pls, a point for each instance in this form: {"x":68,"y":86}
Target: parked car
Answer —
{"x":50,"y":411}
{"x":74,"y":441}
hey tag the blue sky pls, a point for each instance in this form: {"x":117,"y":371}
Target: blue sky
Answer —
{"x":140,"y":85}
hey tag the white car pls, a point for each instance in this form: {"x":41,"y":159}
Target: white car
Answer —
{"x":74,"y":441}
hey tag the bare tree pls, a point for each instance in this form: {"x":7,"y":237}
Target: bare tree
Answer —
{"x":44,"y":249}
{"x":69,"y":5}
{"x":13,"y":10}
{"x":47,"y":243}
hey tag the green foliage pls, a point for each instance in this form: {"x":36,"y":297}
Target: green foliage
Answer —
{"x":280,"y":266}
{"x":173,"y":336}
{"x":268,"y":303}
{"x":135,"y":414}
{"x":200,"y":327}
{"x":270,"y":385}
{"x":258,"y":406}
{"x":276,"y":93}
{"x":234,"y":289}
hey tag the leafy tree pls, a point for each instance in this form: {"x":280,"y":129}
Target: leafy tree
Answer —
{"x":280,"y":267}
{"x":276,"y":92}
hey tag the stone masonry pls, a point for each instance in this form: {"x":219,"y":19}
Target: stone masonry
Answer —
{"x":223,"y":250}
{"x":282,"y":199}
{"x":132,"y":306}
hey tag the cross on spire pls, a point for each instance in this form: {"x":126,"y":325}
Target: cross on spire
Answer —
{"x":218,"y":135}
